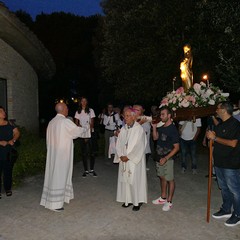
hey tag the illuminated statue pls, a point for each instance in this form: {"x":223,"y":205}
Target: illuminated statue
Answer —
{"x":186,"y":68}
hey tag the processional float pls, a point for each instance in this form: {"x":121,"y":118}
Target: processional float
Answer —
{"x":193,"y":101}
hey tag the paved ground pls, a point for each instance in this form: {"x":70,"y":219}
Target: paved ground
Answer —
{"x":94,"y":213}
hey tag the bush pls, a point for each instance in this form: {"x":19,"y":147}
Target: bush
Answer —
{"x":32,"y":156}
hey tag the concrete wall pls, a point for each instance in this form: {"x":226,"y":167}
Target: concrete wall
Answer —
{"x":22,"y":87}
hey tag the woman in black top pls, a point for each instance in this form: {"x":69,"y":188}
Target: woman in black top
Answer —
{"x":8,"y":136}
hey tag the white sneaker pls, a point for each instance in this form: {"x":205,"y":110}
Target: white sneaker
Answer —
{"x":159,"y":200}
{"x":167,"y":206}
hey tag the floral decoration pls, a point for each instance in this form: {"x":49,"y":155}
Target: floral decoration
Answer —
{"x":200,"y":95}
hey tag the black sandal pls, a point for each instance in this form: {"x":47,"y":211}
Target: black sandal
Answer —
{"x":9,"y":193}
{"x":0,"y":195}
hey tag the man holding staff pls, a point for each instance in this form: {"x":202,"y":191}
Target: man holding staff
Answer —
{"x":226,"y":156}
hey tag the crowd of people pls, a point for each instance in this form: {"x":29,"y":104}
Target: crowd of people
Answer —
{"x":131,"y":139}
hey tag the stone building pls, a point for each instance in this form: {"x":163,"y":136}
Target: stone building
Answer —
{"x":23,"y":62}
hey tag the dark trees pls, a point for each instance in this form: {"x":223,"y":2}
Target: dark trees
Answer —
{"x":143,"y":46}
{"x":137,"y":48}
{"x":143,"y":43}
{"x":69,"y":39}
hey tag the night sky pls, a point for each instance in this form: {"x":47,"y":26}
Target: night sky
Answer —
{"x":35,"y":7}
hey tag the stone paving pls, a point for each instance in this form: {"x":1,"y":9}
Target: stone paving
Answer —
{"x":94,"y":213}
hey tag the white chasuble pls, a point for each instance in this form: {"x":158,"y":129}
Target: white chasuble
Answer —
{"x":132,"y":177}
{"x":57,"y":187}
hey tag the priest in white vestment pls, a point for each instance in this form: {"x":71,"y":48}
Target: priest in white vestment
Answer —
{"x":57,"y":187}
{"x":130,"y":148}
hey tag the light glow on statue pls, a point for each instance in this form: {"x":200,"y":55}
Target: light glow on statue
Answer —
{"x":186,"y":68}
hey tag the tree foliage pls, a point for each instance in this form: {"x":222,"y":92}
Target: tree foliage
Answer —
{"x":69,"y":38}
{"x":225,"y":23}
{"x":137,"y":46}
{"x":143,"y":43}
{"x":25,"y":18}
{"x":143,"y":40}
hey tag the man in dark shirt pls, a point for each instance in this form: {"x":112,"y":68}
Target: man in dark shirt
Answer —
{"x":167,"y":146}
{"x":226,"y":156}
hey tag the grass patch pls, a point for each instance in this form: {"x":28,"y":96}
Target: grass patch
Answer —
{"x":32,"y":156}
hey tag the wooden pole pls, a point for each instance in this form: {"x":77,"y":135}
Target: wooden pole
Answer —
{"x":209,"y":179}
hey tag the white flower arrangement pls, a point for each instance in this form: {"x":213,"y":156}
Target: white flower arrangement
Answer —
{"x":199,"y":95}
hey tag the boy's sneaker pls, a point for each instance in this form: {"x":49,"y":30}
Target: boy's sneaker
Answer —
{"x":159,"y":200}
{"x":93,"y":173}
{"x":221,"y":214}
{"x":167,"y":206}
{"x":85,"y":174}
{"x":232,"y":221}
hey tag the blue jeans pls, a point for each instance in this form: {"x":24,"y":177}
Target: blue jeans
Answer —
{"x":191,"y":147}
{"x":229,"y":183}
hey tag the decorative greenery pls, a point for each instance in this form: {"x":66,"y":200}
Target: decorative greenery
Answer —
{"x":200,"y":95}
